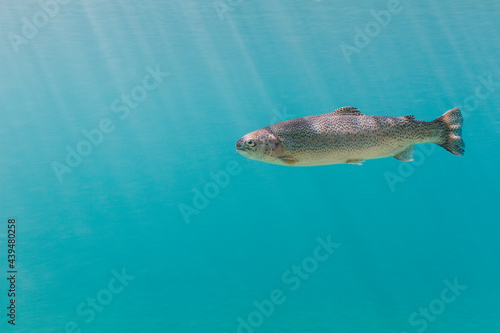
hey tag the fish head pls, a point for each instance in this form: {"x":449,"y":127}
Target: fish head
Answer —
{"x":260,"y":145}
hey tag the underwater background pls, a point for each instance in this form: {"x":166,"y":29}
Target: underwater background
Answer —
{"x":134,"y":213}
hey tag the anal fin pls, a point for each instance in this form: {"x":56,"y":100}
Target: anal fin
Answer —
{"x":405,"y":155}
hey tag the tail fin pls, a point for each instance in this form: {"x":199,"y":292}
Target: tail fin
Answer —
{"x":452,"y":134}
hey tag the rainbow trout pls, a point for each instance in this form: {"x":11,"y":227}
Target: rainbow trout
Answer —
{"x":348,"y":136}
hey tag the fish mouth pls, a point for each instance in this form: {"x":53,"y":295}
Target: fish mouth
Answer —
{"x":242,"y":149}
{"x":240,"y":145}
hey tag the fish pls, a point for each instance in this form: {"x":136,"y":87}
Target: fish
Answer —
{"x":348,"y":136}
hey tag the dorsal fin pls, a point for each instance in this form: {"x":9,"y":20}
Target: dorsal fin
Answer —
{"x":410,"y":117}
{"x":347,"y":111}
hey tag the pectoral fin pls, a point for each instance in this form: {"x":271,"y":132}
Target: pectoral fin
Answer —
{"x":355,"y":161}
{"x":289,"y":160}
{"x":405,"y":155}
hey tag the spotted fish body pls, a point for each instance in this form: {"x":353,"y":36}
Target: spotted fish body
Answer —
{"x":348,"y":136}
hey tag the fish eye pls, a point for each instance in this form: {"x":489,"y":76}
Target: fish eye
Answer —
{"x":251,"y":143}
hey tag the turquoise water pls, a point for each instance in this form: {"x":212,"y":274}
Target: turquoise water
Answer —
{"x":134,"y":213}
